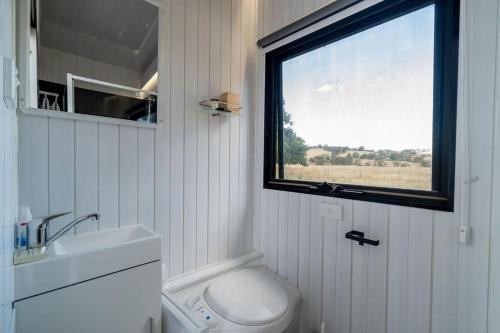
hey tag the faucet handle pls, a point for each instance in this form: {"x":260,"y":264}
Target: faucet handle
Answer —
{"x":43,"y":227}
{"x":48,"y":218}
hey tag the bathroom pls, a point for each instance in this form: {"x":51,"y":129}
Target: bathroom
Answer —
{"x":220,"y":169}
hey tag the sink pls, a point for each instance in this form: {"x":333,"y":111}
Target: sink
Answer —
{"x":74,"y":259}
{"x":97,"y":240}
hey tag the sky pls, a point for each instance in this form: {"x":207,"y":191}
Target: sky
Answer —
{"x":372,"y":89}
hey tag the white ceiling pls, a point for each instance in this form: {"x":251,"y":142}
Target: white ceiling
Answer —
{"x":119,"y":32}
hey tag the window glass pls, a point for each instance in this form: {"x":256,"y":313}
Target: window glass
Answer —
{"x":360,"y":110}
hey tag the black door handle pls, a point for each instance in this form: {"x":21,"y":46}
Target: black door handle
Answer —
{"x":359,"y":237}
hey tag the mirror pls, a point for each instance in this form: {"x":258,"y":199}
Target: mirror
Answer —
{"x":96,"y":57}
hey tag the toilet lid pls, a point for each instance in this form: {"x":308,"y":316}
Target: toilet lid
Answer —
{"x":247,"y":297}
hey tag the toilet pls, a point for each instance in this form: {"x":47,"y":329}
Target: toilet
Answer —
{"x":250,"y":299}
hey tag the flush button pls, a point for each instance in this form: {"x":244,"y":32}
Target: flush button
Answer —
{"x":204,"y":315}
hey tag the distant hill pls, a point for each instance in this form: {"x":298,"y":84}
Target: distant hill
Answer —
{"x":314,"y":152}
{"x":329,"y":155}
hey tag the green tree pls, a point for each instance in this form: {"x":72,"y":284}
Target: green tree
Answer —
{"x":294,"y":147}
{"x":321,"y":159}
{"x":425,"y":163}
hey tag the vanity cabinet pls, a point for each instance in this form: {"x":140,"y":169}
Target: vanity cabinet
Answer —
{"x":127,"y":301}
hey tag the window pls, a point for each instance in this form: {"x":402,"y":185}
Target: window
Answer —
{"x":366,"y":108}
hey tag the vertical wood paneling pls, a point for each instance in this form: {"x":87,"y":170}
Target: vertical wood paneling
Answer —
{"x":236,"y":232}
{"x":309,"y":6}
{"x":494,"y":288}
{"x":260,"y":213}
{"x":304,"y":259}
{"x":214,"y":134}
{"x":342,"y":315}
{"x":9,"y":169}
{"x":128,"y":175}
{"x":89,"y":167}
{"x":315,"y":265}
{"x":61,"y":170}
{"x":329,"y":269}
{"x":162,"y":138}
{"x":247,"y":72}
{"x":203,"y":135}
{"x":283,"y":219}
{"x":397,"y":278}
{"x":268,"y":17}
{"x":444,"y":273}
{"x":190,"y":135}
{"x":224,"y":133}
{"x":287,"y":12}
{"x":419,"y":270}
{"x":377,"y":269}
{"x":264,"y":199}
{"x":146,"y":177}
{"x":34,"y":151}
{"x":419,"y":279}
{"x":277,"y":14}
{"x":197,"y":190}
{"x":272,"y":237}
{"x":474,"y":260}
{"x":108,"y":176}
{"x":177,"y":138}
{"x":297,"y":9}
{"x":86,"y":173}
{"x":293,"y":238}
{"x":359,"y":293}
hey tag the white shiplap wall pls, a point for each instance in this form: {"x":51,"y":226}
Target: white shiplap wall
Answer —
{"x":204,"y":175}
{"x":8,"y":207}
{"x":191,"y":177}
{"x":83,"y":167}
{"x":419,"y":279}
{"x":8,"y":172}
{"x":54,"y":64}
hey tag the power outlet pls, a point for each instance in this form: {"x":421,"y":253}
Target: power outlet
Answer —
{"x":330,"y":211}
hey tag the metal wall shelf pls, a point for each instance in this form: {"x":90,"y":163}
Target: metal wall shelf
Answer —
{"x":216,"y":108}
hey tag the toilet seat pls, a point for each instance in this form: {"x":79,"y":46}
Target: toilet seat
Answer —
{"x":247,"y":297}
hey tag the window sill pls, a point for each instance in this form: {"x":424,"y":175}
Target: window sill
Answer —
{"x":87,"y":117}
{"x":408,"y":198}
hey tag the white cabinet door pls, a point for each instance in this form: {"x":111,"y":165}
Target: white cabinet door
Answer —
{"x":122,"y":302}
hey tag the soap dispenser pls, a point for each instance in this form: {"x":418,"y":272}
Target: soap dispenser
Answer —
{"x":24,"y":253}
{"x":23,"y":228}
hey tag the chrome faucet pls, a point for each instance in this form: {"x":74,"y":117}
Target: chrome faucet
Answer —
{"x":43,"y":229}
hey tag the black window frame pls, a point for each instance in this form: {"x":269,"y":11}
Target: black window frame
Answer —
{"x":441,"y":197}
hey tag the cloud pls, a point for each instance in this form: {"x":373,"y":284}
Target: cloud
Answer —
{"x":325,"y":88}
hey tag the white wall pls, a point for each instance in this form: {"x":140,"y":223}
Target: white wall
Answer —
{"x":83,"y":167}
{"x":419,"y":279}
{"x":54,"y":64}
{"x":203,"y":196}
{"x":191,"y":177}
{"x":8,"y":172}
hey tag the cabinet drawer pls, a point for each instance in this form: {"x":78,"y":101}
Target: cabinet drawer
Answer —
{"x":121,"y":302}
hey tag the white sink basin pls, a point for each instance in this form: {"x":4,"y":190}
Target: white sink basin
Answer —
{"x":97,"y":240}
{"x":73,"y":259}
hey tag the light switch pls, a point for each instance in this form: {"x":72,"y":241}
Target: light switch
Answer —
{"x":330,"y":210}
{"x":464,"y":234}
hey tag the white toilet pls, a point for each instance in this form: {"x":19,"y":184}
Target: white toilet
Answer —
{"x":251,"y":299}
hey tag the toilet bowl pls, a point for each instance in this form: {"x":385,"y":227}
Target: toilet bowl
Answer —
{"x":251,"y":299}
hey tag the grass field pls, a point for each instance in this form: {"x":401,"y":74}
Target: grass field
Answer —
{"x":412,"y":177}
